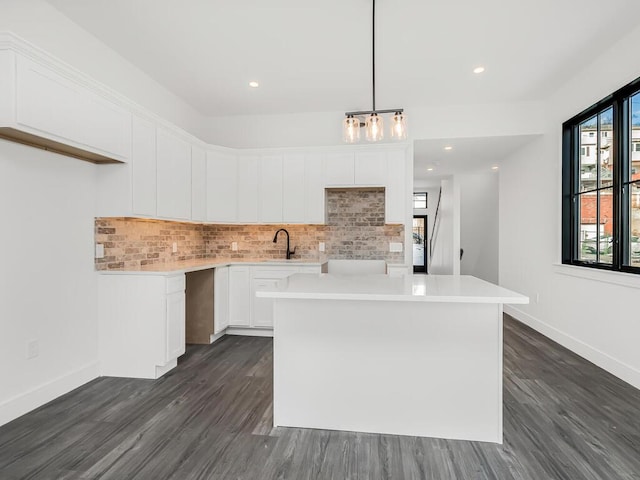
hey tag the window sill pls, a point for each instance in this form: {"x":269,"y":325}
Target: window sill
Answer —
{"x":617,"y":278}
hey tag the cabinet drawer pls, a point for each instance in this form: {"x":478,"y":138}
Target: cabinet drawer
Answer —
{"x":176,"y":284}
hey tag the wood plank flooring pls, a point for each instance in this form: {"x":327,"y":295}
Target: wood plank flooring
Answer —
{"x":210,"y":418}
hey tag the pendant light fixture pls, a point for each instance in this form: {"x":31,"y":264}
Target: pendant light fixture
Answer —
{"x":374,"y":122}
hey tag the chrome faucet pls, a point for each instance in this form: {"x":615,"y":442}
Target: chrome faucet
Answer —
{"x":289,"y":251}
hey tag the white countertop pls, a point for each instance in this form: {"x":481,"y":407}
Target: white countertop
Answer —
{"x":409,"y":288}
{"x":186,"y":266}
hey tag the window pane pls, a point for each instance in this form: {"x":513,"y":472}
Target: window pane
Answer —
{"x":634,"y":166}
{"x":605,"y":226}
{"x":588,"y":239}
{"x":634,"y":230}
{"x":419,"y":200}
{"x":588,"y":154}
{"x":606,"y":148}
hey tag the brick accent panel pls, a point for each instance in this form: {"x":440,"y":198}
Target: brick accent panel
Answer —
{"x":355,"y":229}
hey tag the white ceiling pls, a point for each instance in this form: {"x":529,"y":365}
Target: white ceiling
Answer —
{"x":468,"y":155}
{"x":315,"y":55}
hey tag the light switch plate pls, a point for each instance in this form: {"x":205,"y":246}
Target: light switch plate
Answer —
{"x":99,"y":250}
{"x":321,"y":246}
{"x":174,"y":249}
{"x":234,"y":246}
{"x":395,"y":247}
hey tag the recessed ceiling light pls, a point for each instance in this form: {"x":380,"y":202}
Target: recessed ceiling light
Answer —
{"x":430,"y":169}
{"x":478,"y":70}
{"x":495,"y":167}
{"x":254,"y":84}
{"x":448,"y":147}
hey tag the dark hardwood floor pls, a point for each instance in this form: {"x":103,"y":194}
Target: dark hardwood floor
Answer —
{"x":210,"y":418}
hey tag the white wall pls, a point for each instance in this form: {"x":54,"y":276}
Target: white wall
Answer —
{"x":41,"y":24}
{"x":589,"y":314}
{"x":325,"y":128}
{"x":479,"y":225}
{"x":47,"y":281}
{"x":446,"y":246}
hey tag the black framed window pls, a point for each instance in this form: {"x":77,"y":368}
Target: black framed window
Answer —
{"x":601,"y":184}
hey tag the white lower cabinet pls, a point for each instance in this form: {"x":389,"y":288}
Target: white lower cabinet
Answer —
{"x":246,"y":311}
{"x":142,"y":324}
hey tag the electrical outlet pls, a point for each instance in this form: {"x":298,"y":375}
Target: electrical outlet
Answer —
{"x":234,"y":246}
{"x":321,"y":246}
{"x":395,"y":247}
{"x":174,"y":248}
{"x":33,"y":349}
{"x":99,"y":250}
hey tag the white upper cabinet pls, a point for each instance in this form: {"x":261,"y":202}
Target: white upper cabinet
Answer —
{"x":270,"y":189}
{"x":248,"y":189}
{"x":174,"y":176}
{"x":8,"y":90}
{"x":339,"y":169}
{"x":396,"y":201}
{"x":143,"y":168}
{"x":53,"y":107}
{"x":293,"y":188}
{"x":370,"y":168}
{"x":313,"y":189}
{"x":222,"y":187}
{"x":198,"y":184}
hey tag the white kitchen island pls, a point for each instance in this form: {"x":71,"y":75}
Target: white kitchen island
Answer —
{"x":415,"y":355}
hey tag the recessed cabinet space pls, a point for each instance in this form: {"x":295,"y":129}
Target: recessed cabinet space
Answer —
{"x":222,"y":187}
{"x":173,"y":176}
{"x":46,"y":109}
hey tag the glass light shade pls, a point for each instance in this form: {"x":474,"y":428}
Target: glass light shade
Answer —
{"x":351,"y":129}
{"x":399,"y":126}
{"x":375,"y":128}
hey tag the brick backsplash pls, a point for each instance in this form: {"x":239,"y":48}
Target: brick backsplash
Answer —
{"x":355,"y":229}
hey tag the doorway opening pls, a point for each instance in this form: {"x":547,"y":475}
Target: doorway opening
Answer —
{"x":420,"y":244}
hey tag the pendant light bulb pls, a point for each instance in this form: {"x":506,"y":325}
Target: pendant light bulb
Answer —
{"x":375,"y":128}
{"x":399,"y":126}
{"x":351,"y":129}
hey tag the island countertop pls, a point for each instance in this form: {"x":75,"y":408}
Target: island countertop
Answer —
{"x":410,"y":288}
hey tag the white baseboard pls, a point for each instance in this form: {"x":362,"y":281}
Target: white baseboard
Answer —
{"x":17,"y":406}
{"x":214,"y":337}
{"x":613,"y":366}
{"x":249,"y":332}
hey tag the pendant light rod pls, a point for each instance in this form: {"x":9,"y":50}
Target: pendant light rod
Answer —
{"x":373,"y":55}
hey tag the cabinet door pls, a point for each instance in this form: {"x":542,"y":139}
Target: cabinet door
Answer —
{"x":314,"y":189}
{"x":293,"y":189}
{"x":270,"y":189}
{"x":247,"y":189}
{"x":198,"y":184}
{"x":397,"y":207}
{"x":143,"y":171}
{"x":174,"y":176}
{"x":339,"y":169}
{"x":220,"y":299}
{"x":262,"y":307}
{"x":176,"y":308}
{"x":222,"y":187}
{"x":370,"y":168}
{"x":239,"y":297}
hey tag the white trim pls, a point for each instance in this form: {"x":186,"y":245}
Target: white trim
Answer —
{"x":612,"y":365}
{"x":214,"y":337}
{"x":617,"y":278}
{"x":249,"y":332}
{"x":17,"y":406}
